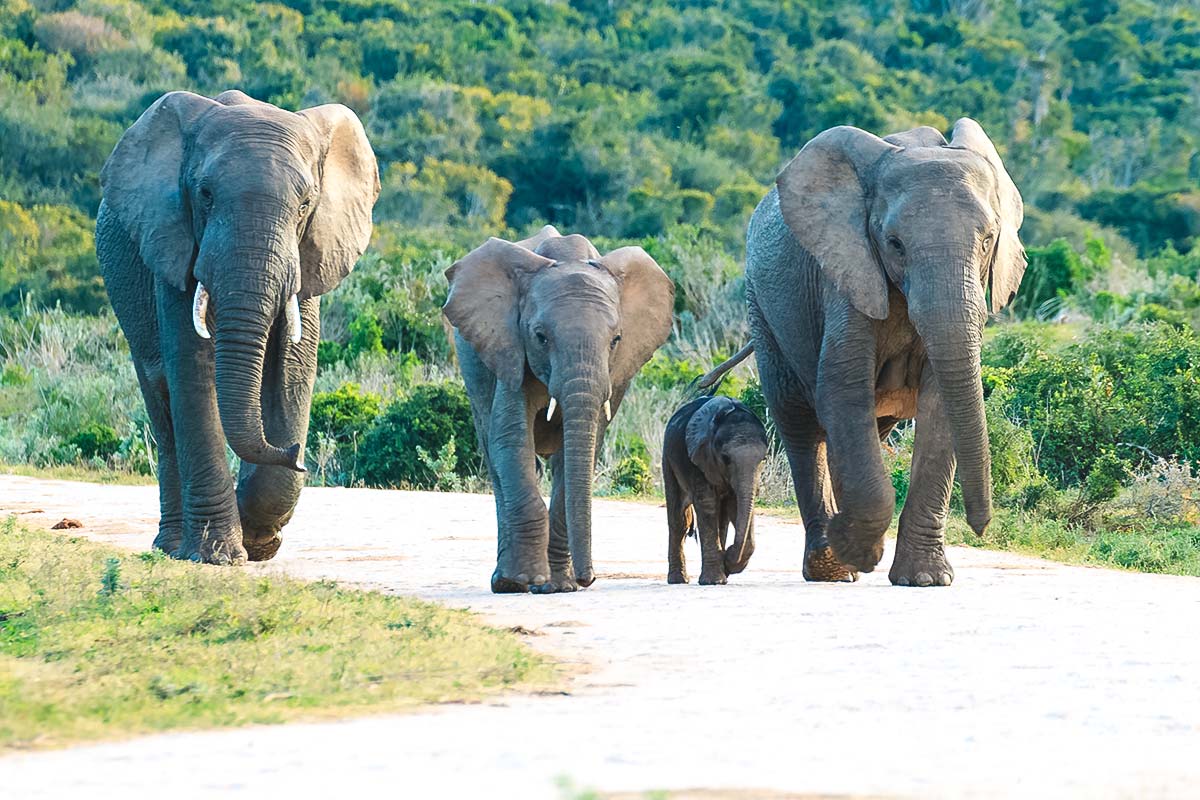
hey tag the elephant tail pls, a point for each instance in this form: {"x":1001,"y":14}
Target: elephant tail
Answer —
{"x":689,"y":522}
{"x":719,"y":371}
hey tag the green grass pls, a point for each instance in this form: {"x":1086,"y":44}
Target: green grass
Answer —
{"x":1146,"y":546}
{"x":98,"y":643}
{"x":79,"y":473}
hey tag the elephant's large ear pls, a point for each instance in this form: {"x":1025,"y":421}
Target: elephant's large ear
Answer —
{"x":647,"y":308}
{"x":485,"y":303}
{"x":141,"y":184}
{"x":823,"y":197}
{"x":701,"y":435}
{"x":1008,"y":258}
{"x":340,"y":228}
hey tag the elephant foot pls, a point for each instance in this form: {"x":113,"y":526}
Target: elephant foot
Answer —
{"x":169,"y":540}
{"x":920,"y":567}
{"x":820,"y":565}
{"x":585,"y":578}
{"x":222,"y":551}
{"x":261,"y":547}
{"x":857,"y":545}
{"x":713,"y":576}
{"x":733,"y":566}
{"x":559,"y":582}
{"x":519,"y":584}
{"x":677,"y":576}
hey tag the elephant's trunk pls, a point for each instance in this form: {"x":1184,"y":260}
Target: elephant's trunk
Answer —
{"x":738,"y":555}
{"x":953,"y":341}
{"x":241,"y":345}
{"x":581,"y":402}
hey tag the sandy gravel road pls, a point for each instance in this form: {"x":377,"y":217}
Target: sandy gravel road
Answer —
{"x":1024,"y":679}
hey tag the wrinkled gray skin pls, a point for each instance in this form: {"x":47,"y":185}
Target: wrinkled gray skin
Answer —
{"x":866,"y":271}
{"x":549,"y":317}
{"x":713,"y":452}
{"x":259,"y":205}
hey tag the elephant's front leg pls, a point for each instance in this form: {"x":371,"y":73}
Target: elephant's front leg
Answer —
{"x":865,"y":497}
{"x":211,"y":530}
{"x":920,"y":545}
{"x":267,"y":495}
{"x":522,"y":554}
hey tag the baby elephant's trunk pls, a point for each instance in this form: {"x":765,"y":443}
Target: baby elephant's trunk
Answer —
{"x":738,"y":554}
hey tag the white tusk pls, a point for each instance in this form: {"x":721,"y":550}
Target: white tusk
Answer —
{"x":295,"y":328}
{"x":608,"y":410}
{"x":550,"y":410}
{"x":200,"y":311}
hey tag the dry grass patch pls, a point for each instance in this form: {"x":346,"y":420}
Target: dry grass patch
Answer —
{"x":96,"y":643}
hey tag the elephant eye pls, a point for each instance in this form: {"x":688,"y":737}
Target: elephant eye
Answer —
{"x":616,"y":341}
{"x":987,"y":242}
{"x":541,"y":338}
{"x":896,"y":245}
{"x":206,"y":195}
{"x":305,"y":204}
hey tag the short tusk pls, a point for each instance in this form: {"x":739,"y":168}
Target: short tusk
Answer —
{"x":550,"y":410}
{"x":294,"y":326}
{"x":608,"y":410}
{"x":200,"y":311}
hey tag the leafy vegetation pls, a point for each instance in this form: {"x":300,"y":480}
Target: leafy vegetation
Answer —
{"x":654,"y":123}
{"x":205,"y":648}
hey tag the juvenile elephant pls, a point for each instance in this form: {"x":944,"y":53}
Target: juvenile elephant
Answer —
{"x":713,"y":452}
{"x":549,"y":334}
{"x":870,"y":270}
{"x":222,"y":222}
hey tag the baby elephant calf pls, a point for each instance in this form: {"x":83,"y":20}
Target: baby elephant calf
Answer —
{"x":712,"y":456}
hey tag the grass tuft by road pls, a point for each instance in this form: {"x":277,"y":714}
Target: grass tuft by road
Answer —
{"x":98,"y":643}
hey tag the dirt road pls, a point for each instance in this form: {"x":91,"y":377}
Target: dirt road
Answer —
{"x":1025,"y":678}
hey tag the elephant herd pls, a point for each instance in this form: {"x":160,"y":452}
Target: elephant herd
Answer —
{"x":871,"y":267}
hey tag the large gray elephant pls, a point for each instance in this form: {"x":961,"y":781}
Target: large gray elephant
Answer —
{"x":870,"y":270}
{"x":222,"y":222}
{"x":549,"y":335}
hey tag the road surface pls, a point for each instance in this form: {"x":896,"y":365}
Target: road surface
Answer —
{"x":1026,"y":678}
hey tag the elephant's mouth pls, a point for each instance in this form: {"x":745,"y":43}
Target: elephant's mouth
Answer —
{"x":200,"y":303}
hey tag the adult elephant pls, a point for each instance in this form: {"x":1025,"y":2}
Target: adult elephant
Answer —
{"x":222,"y":222}
{"x":549,"y":335}
{"x":868,"y":269}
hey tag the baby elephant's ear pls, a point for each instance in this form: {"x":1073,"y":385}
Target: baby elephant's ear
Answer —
{"x":647,"y":309}
{"x":701,"y":438}
{"x":484,"y":304}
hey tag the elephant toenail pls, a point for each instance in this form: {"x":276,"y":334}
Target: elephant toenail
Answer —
{"x":902,"y":581}
{"x":947,"y":579}
{"x":924,"y":579}
{"x":539,"y":579}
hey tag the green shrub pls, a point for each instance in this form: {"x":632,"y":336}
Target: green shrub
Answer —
{"x":338,"y":420}
{"x":96,"y":440}
{"x":329,"y":353}
{"x":632,"y":475}
{"x":366,"y":336}
{"x":429,"y":417}
{"x":1135,"y":389}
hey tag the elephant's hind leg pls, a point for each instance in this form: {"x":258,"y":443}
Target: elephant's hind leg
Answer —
{"x":680,"y":519}
{"x":158,"y":409}
{"x":804,"y":441}
{"x":920,"y":545}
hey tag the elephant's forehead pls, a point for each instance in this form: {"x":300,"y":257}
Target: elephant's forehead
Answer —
{"x":568,"y":278}
{"x":946,"y":164}
{"x":230,"y":127}
{"x":568,"y":248}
